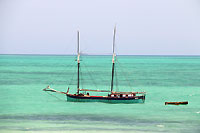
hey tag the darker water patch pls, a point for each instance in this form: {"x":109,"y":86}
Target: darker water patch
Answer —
{"x":94,"y":123}
{"x":86,"y":118}
{"x":64,"y":128}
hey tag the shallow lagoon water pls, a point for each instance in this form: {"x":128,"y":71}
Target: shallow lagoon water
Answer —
{"x":24,"y":107}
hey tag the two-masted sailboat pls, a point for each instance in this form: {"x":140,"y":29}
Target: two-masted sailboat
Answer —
{"x":112,"y":97}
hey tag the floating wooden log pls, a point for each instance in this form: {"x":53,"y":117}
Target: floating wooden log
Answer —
{"x":176,"y":103}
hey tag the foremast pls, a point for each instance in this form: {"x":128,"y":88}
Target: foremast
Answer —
{"x":113,"y":60}
{"x":78,"y":61}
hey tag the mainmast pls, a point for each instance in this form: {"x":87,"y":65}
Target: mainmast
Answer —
{"x":113,"y":59}
{"x":78,"y":60}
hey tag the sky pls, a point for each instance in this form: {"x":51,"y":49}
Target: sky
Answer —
{"x":144,"y":27}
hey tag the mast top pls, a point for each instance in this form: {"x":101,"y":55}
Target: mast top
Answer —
{"x":113,"y":59}
{"x":78,"y":42}
{"x":78,"y":47}
{"x":114,"y":40}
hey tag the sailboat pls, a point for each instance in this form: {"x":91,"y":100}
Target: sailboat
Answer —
{"x":112,"y":97}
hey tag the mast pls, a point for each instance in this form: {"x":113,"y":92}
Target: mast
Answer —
{"x":78,"y":60}
{"x":113,"y":59}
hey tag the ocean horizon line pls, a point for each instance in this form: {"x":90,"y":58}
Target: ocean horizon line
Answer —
{"x":97,"y":55}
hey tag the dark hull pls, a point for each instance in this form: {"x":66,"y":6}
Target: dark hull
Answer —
{"x":106,"y":99}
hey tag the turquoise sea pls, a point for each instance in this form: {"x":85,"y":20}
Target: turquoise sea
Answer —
{"x":24,"y":107}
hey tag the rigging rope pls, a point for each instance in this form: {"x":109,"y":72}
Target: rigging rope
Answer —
{"x":81,"y":77}
{"x":70,"y":81}
{"x":53,"y":70}
{"x":61,"y":72}
{"x":116,"y":79}
{"x":55,"y":96}
{"x":129,"y":84}
{"x":89,"y":72}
